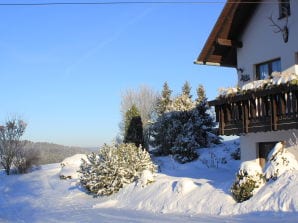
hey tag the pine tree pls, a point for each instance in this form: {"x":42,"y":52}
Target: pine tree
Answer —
{"x":203,"y":122}
{"x":200,"y":94}
{"x":133,"y":127}
{"x":185,"y":144}
{"x":114,"y":167}
{"x":186,"y":89}
{"x":183,"y":102}
{"x":186,"y":127}
{"x":130,"y":113}
{"x":165,"y":100}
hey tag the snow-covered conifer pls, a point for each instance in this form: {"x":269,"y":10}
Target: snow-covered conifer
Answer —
{"x":164,"y":101}
{"x":187,"y":126}
{"x":164,"y":132}
{"x":248,"y":181}
{"x":113,"y":167}
{"x":201,"y":95}
{"x":186,"y":89}
{"x":184,"y":101}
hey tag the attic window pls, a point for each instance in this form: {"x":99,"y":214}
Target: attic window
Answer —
{"x":264,"y":70}
{"x":284,"y":8}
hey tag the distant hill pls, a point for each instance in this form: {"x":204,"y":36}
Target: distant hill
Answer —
{"x":54,"y":153}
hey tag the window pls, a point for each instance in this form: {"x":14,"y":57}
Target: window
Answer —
{"x":284,"y":8}
{"x":264,"y":70}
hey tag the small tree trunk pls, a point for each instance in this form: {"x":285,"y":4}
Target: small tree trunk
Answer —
{"x":7,"y":171}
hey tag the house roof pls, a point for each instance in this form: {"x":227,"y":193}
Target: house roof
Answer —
{"x":223,"y":41}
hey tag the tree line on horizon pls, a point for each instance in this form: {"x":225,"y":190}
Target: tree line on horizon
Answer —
{"x":19,"y":156}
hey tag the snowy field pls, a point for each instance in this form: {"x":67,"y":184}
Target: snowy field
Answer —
{"x":194,"y":192}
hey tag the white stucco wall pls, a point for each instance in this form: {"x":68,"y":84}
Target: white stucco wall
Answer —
{"x":261,"y":44}
{"x":249,"y":143}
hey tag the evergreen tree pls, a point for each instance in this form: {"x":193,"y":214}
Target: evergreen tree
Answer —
{"x":183,"y":102}
{"x":203,"y":122}
{"x":164,"y":101}
{"x":200,"y":94}
{"x":186,"y":89}
{"x":133,"y":127}
{"x":129,"y":114}
{"x":164,"y":132}
{"x":186,"y":127}
{"x":113,"y":167}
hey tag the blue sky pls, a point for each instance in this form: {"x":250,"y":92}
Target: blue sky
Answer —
{"x":63,"y":68}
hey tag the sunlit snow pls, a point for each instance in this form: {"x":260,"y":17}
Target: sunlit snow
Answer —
{"x":180,"y":193}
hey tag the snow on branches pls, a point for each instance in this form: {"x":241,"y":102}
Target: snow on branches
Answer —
{"x":113,"y":167}
{"x":183,"y":125}
{"x":250,"y":176}
{"x":248,"y":180}
{"x":280,"y":160}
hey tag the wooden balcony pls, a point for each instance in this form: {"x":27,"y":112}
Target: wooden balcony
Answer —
{"x":258,"y":111}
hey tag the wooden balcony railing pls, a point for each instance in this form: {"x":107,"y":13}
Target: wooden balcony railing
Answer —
{"x":258,"y":111}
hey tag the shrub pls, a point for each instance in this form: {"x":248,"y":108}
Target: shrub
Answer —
{"x":113,"y":167}
{"x":184,"y":155}
{"x":243,"y":191}
{"x":10,"y":142}
{"x":280,"y":160}
{"x":236,"y":155}
{"x":26,"y":159}
{"x":249,"y":179}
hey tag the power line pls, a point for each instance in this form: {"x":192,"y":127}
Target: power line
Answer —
{"x":109,"y":3}
{"x":132,"y":2}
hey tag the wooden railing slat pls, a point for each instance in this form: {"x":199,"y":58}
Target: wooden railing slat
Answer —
{"x":276,"y":110}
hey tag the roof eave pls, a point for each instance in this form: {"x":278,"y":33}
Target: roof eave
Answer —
{"x":221,"y":46}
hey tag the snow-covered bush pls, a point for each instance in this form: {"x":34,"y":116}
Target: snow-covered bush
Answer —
{"x":249,"y":179}
{"x":183,"y":128}
{"x":113,"y":167}
{"x":184,"y":154}
{"x":70,"y":166}
{"x":279,"y":161}
{"x":147,"y":177}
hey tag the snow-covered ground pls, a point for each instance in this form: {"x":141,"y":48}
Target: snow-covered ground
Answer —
{"x":193,"y":192}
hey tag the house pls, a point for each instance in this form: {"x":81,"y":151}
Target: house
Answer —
{"x":259,"y":39}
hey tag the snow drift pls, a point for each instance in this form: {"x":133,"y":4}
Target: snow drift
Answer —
{"x":190,"y":189}
{"x":201,"y":188}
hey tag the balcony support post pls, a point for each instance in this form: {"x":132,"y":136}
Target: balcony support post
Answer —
{"x":222,"y":117}
{"x":274,"y":113}
{"x":245,"y":120}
